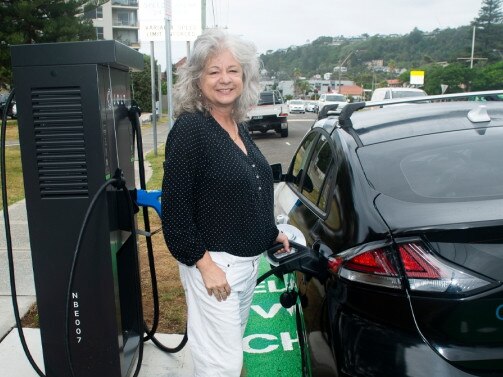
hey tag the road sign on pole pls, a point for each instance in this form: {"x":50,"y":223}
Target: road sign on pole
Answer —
{"x":416,"y":77}
{"x":186,"y":24}
{"x":150,"y":14}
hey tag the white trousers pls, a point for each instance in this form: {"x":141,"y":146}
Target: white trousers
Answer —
{"x":215,"y":328}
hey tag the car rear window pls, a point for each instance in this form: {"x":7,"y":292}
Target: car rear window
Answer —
{"x":266,"y":99}
{"x":407,"y":93}
{"x":460,"y":165}
{"x":336,"y":98}
{"x":269,"y":98}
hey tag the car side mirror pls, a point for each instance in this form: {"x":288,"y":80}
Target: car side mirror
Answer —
{"x":277,"y":173}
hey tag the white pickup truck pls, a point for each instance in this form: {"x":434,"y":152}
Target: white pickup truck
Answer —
{"x":269,"y":114}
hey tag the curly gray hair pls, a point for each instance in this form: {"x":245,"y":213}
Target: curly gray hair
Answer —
{"x":186,"y":92}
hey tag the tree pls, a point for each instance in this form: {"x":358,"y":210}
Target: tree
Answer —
{"x":490,"y":13}
{"x":458,"y":76}
{"x":41,"y":21}
{"x":302,"y":87}
{"x":142,"y":89}
{"x":489,"y":77}
{"x":490,"y":21}
{"x":392,"y":66}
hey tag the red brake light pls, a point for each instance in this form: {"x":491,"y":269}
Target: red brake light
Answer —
{"x":372,"y":262}
{"x":371,"y":267}
{"x":415,"y":265}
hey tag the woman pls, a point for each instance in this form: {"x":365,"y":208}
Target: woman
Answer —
{"x":217,"y":198}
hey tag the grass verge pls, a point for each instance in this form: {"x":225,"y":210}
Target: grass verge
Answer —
{"x":13,"y":169}
{"x":172,"y":307}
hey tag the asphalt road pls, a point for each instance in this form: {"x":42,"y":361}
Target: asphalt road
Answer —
{"x":275,"y":148}
{"x":281,"y":150}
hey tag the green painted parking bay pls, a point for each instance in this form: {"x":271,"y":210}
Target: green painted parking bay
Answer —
{"x":271,"y":343}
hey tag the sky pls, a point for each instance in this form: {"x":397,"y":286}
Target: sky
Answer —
{"x":277,"y":24}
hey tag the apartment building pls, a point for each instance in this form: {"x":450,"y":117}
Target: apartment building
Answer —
{"x":117,"y":19}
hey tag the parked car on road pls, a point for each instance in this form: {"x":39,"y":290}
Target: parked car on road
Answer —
{"x":269,"y":114}
{"x":296,"y":106}
{"x":381,"y":94}
{"x":312,"y":107}
{"x":332,"y":99}
{"x":11,"y":111}
{"x":403,"y":206}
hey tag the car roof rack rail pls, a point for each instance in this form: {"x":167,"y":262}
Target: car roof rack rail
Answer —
{"x":325,"y":110}
{"x":350,"y":108}
{"x":347,"y":111}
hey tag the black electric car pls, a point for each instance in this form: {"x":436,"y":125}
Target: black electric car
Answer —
{"x":404,"y":205}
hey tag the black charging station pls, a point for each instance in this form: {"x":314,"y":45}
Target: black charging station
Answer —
{"x":74,"y":132}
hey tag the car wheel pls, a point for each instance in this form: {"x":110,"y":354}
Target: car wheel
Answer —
{"x":284,"y":133}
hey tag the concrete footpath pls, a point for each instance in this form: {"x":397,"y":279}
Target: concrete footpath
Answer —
{"x":13,"y":362}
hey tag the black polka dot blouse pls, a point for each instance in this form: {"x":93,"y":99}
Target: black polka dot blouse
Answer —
{"x":214,"y":196}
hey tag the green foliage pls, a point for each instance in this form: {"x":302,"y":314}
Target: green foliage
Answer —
{"x":457,"y":76}
{"x":489,"y":27}
{"x":141,"y":87}
{"x":302,"y":87}
{"x":40,"y":21}
{"x":489,"y":77}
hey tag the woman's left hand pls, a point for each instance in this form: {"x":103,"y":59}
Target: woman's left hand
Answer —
{"x":282,"y":238}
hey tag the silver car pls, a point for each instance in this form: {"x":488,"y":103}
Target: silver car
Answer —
{"x":332,"y":99}
{"x":296,"y":106}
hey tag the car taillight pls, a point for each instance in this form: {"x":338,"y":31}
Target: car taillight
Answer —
{"x":281,"y":115}
{"x":426,"y":272}
{"x":373,"y":261}
{"x":372,"y":266}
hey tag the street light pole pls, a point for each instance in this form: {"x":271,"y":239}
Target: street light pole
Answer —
{"x":472,"y":58}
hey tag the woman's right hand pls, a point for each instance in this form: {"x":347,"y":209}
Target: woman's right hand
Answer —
{"x":214,"y":278}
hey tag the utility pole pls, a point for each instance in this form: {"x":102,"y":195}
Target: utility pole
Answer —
{"x":169,"y":73}
{"x":340,"y":67}
{"x":473,"y":46}
{"x":472,"y":56}
{"x":159,"y":89}
{"x":152,"y":93}
{"x":203,"y":14}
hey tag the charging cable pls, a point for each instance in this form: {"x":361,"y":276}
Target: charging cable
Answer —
{"x":135,"y":122}
{"x":8,"y":239}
